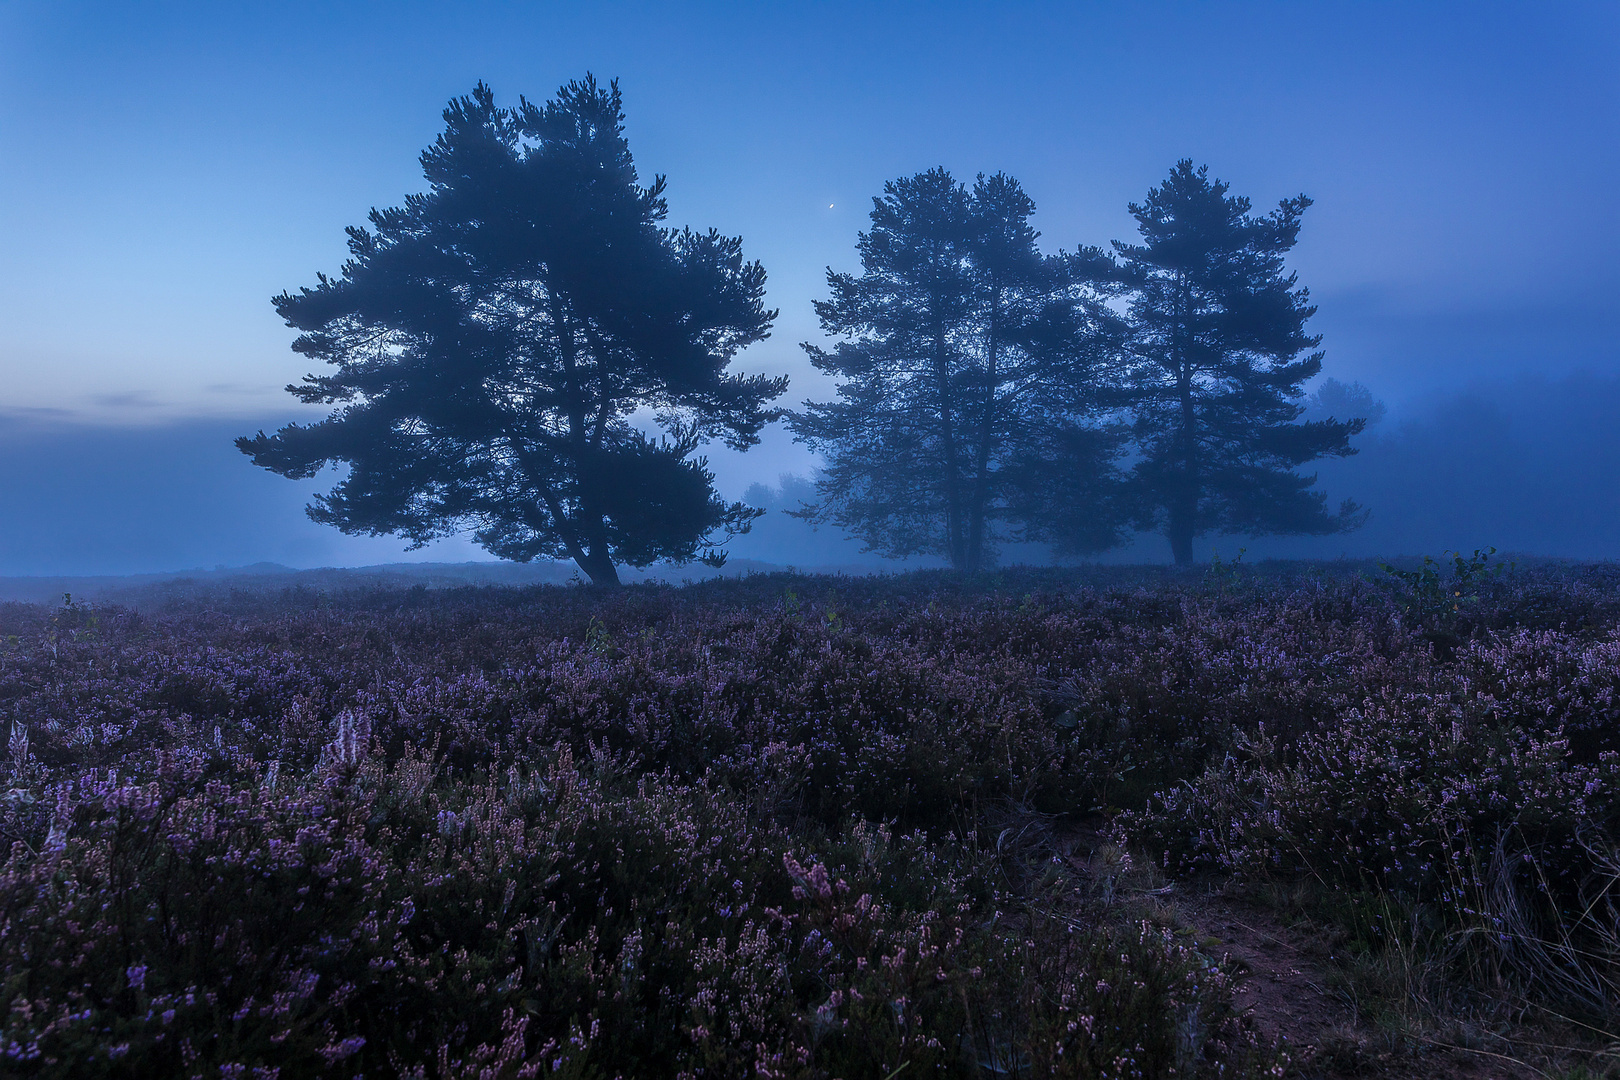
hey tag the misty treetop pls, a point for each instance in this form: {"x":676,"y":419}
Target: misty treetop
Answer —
{"x":492,"y":337}
{"x":962,"y":346}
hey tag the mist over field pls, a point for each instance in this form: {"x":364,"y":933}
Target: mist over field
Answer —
{"x":1527,"y":465}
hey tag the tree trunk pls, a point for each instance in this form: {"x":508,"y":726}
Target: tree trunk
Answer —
{"x":595,"y":561}
{"x":977,"y":525}
{"x":955,"y":540}
{"x":598,"y":562}
{"x":586,"y":536}
{"x":598,"y":566}
{"x":1180,"y":534}
{"x":1183,"y":508}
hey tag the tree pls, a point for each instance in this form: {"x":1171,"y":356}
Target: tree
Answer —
{"x":957,"y":334}
{"x":1064,"y":484}
{"x":1332,"y":399}
{"x":1220,"y":350}
{"x":493,"y":337}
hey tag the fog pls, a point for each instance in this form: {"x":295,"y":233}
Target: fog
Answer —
{"x":1527,"y":465}
{"x":124,"y":500}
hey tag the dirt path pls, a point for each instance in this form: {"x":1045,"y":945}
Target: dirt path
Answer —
{"x":1285,"y":987}
{"x":1285,"y":984}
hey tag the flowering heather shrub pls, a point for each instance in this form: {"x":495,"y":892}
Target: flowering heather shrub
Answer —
{"x":745,"y":828}
{"x":1549,"y":681}
{"x":1485,"y":788}
{"x":191,"y":919}
{"x":550,"y":833}
{"x":1402,"y":800}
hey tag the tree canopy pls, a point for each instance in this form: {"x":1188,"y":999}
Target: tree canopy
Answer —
{"x":1219,"y":352}
{"x":493,"y":338}
{"x":962,"y":346}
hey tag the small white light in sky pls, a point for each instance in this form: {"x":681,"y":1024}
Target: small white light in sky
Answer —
{"x":829,"y":206}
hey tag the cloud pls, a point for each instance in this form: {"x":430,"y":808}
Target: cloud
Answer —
{"x":235,"y":389}
{"x":1524,"y":464}
{"x":103,"y":499}
{"x":126,"y":399}
{"x":34,"y":412}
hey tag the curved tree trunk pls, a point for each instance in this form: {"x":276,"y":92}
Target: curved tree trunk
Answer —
{"x":598,"y":565}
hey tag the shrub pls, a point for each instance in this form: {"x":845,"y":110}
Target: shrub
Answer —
{"x":749,"y":827}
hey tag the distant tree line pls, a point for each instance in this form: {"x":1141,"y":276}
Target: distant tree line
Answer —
{"x":493,"y":338}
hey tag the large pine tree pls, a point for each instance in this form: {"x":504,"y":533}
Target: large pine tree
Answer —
{"x":1220,"y":352}
{"x":957,"y":334}
{"x":491,"y":338}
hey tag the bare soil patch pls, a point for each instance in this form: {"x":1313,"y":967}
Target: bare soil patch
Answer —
{"x":1286,"y":983}
{"x":1286,"y":977}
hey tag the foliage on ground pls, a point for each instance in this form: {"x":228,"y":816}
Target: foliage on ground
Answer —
{"x":780,"y":826}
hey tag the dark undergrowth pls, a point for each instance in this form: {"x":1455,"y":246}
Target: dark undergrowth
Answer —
{"x":797,"y":827}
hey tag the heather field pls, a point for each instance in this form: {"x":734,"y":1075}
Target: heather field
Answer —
{"x":791,"y":826}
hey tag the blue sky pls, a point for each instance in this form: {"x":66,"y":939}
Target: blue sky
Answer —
{"x":166,"y":168}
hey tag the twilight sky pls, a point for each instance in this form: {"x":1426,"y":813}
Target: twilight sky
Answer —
{"x":167,"y":167}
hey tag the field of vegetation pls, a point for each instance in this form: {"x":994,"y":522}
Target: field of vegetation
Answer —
{"x":787,"y":826}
